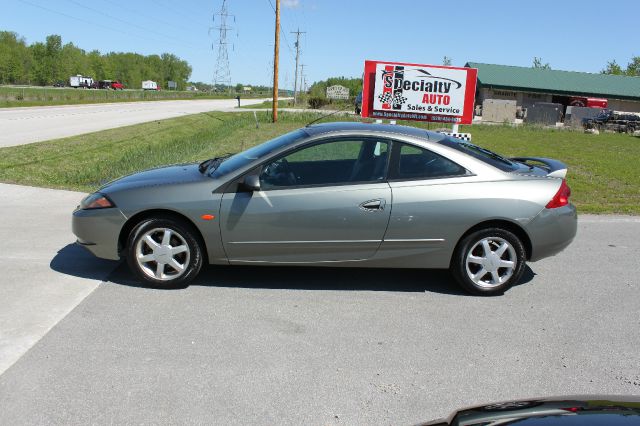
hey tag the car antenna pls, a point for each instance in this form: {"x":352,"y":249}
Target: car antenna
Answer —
{"x":327,"y":115}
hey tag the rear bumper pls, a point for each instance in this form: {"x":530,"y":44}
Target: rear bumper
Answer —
{"x":552,"y":231}
{"x":98,"y":231}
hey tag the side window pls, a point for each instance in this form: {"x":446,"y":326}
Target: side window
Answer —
{"x":335,"y":162}
{"x":415,"y":163}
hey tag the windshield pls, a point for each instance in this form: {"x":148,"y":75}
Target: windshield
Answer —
{"x":482,"y":154}
{"x":241,"y":159}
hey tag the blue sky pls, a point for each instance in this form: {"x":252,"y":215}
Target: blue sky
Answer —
{"x":570,"y":35}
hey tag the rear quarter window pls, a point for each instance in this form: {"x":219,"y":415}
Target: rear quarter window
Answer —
{"x":482,"y":154}
{"x":414,"y":162}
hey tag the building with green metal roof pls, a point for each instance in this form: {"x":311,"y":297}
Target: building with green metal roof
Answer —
{"x":528,"y":86}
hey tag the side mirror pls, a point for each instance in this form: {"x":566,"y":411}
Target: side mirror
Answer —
{"x":251,"y":183}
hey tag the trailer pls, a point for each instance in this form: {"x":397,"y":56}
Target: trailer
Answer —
{"x":149,"y":85}
{"x":80,"y":81}
{"x":588,"y":102}
{"x":615,"y":121}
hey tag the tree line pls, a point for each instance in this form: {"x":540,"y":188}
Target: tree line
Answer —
{"x":53,"y":62}
{"x":632,"y":69}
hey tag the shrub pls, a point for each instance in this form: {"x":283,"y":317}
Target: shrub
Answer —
{"x":316,"y":102}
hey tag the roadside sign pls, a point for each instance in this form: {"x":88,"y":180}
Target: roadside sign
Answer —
{"x":337,"y":92}
{"x":436,"y":93}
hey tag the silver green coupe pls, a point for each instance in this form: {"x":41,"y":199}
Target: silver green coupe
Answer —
{"x":338,"y":194}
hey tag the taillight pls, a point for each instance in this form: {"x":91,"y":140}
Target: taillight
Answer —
{"x":561,"y":198}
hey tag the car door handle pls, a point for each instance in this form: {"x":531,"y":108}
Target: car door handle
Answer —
{"x":373,"y":205}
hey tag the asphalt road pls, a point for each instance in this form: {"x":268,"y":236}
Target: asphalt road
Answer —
{"x":34,"y":124}
{"x":315,"y":346}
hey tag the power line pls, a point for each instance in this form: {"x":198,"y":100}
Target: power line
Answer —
{"x":176,"y":11}
{"x":282,"y":32}
{"x":85,"y":21}
{"x":115,"y":18}
{"x":146,"y":14}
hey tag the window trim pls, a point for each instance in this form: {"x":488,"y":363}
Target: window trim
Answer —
{"x":393,"y":170}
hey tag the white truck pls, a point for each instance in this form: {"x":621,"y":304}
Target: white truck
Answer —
{"x":149,"y":85}
{"x":79,"y":80}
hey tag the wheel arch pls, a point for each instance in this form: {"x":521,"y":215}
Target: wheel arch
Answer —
{"x":134,"y":220}
{"x":505,"y":224}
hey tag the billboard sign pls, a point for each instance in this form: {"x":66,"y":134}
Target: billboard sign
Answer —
{"x":402,"y":91}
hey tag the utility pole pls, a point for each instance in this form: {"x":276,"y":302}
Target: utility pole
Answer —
{"x":302,"y":79}
{"x":295,"y":85}
{"x":222,"y":73}
{"x":276,"y":54}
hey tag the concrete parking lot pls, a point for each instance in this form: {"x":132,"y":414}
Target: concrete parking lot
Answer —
{"x":83,"y":344}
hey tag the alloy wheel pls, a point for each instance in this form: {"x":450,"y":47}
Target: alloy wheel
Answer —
{"x":162,"y":254}
{"x":491,"y":262}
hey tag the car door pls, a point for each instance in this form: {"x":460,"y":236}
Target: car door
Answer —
{"x":325,"y":202}
{"x":432,"y":200}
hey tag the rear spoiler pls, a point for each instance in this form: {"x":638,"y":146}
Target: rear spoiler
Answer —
{"x":554,"y":168}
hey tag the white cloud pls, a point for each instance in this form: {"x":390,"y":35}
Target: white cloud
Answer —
{"x":291,"y":3}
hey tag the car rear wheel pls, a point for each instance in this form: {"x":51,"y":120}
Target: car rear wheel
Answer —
{"x":164,"y":253}
{"x":489,"y":261}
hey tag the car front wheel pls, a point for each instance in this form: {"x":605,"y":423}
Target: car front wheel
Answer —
{"x":489,"y":261}
{"x":164,"y":253}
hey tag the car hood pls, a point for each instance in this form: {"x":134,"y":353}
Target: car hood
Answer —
{"x":168,"y":175}
{"x":592,"y":409}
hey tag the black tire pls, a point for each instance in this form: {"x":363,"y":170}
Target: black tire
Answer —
{"x":181,"y":235}
{"x":486,"y":284}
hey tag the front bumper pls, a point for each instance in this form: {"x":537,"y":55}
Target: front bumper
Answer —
{"x":98,"y":230}
{"x":552,"y":231}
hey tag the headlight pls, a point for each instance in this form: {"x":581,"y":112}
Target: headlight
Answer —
{"x":96,"y":201}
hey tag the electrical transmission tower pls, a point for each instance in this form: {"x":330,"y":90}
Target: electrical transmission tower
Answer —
{"x":222,"y":73}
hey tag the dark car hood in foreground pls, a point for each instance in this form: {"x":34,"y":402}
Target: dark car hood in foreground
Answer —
{"x":169,"y":175}
{"x":568,"y":410}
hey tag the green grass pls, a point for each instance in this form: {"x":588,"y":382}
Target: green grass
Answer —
{"x":602,"y":168}
{"x":11,"y":96}
{"x":269,"y":105}
{"x":87,"y":161}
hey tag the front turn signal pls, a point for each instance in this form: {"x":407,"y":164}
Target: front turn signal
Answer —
{"x":96,"y":201}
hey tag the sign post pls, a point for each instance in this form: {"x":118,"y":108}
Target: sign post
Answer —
{"x":433,"y":93}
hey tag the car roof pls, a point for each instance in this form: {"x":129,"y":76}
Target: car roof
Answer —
{"x":392,"y":129}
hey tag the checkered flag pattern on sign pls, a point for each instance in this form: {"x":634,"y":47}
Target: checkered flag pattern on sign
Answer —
{"x":385,"y":98}
{"x":396,"y":98}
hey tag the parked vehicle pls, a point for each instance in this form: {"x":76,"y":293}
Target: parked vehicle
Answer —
{"x":80,"y":81}
{"x":338,"y":194}
{"x":150,"y":85}
{"x":614,"y":121}
{"x":102,"y":84}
